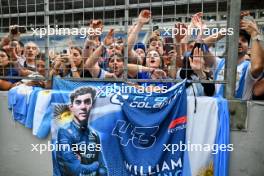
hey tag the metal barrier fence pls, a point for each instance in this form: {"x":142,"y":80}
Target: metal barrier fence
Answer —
{"x":120,"y":15}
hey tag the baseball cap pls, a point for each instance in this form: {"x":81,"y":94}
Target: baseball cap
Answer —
{"x":139,"y":45}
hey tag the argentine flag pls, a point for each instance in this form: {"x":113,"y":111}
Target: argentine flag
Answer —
{"x":207,"y":131}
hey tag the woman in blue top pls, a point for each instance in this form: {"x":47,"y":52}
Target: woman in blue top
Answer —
{"x":154,"y":61}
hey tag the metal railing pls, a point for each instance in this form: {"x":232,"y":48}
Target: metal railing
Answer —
{"x":122,"y":13}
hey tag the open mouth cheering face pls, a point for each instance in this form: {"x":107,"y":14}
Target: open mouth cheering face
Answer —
{"x":153,"y":59}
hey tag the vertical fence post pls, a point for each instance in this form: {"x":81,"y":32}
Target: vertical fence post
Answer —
{"x":233,"y":21}
{"x":2,"y":19}
{"x":46,"y":25}
{"x":126,"y":39}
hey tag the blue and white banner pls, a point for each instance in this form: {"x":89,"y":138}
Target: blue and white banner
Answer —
{"x":134,"y":128}
{"x":130,"y":132}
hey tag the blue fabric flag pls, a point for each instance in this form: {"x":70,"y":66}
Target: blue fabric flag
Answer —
{"x":135,"y":128}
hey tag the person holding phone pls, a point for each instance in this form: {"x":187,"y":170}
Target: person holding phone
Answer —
{"x":248,"y":72}
{"x":69,"y":64}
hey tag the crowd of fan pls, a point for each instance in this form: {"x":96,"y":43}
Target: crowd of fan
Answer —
{"x":158,"y":59}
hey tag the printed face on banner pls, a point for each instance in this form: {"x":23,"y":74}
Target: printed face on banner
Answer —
{"x":78,"y":147}
{"x":81,"y":106}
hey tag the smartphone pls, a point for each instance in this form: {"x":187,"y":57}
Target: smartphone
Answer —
{"x":168,"y":44}
{"x":64,"y":51}
{"x":248,"y":18}
{"x":65,"y":59}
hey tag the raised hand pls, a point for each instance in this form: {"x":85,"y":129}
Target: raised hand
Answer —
{"x":144,"y":16}
{"x":97,"y":25}
{"x":109,"y":39}
{"x":244,"y":13}
{"x":250,"y":26}
{"x":14,"y":32}
{"x":197,"y":63}
{"x":159,"y":74}
{"x":197,"y":19}
{"x":182,"y":30}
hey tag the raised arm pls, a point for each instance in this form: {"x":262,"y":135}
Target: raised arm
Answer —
{"x":92,"y":62}
{"x":210,"y":40}
{"x":257,"y":51}
{"x":180,"y":38}
{"x":93,"y":40}
{"x":197,"y":63}
{"x":143,"y":18}
{"x":197,"y":22}
{"x":134,"y":69}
